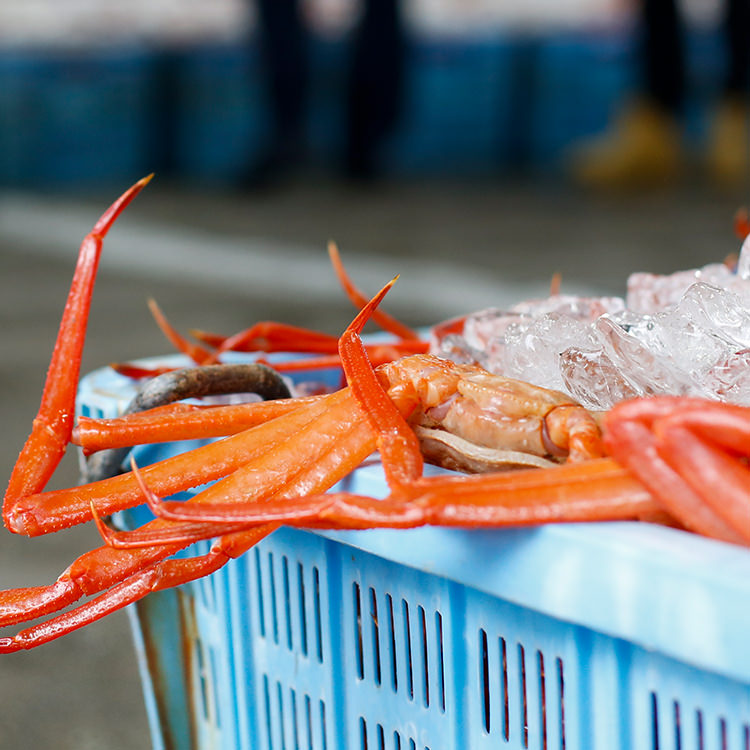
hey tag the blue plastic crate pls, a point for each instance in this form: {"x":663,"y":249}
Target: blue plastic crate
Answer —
{"x":326,"y":119}
{"x":616,"y":636}
{"x":220,"y":117}
{"x":74,"y":117}
{"x":705,"y":62}
{"x":579,"y":81}
{"x":458,"y":107}
{"x":582,"y":79}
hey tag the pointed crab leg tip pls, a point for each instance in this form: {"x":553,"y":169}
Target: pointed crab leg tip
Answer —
{"x":366,"y":312}
{"x":742,"y":223}
{"x":7,"y":646}
{"x":378,"y":298}
{"x":387,"y":288}
{"x":555,"y":284}
{"x":101,"y":527}
{"x":152,"y":499}
{"x":108,"y":218}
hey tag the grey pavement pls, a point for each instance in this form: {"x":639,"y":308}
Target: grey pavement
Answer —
{"x":222,"y":260}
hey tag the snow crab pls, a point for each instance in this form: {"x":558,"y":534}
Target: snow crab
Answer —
{"x":681,"y":461}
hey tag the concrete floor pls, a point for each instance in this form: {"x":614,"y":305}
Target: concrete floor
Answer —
{"x":447,"y":238}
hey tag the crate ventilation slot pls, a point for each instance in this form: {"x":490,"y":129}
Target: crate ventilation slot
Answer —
{"x":691,"y":728}
{"x":399,"y":645}
{"x":513,"y":692}
{"x":289,"y":604}
{"x":294,"y":721}
{"x":375,"y":737}
{"x":206,"y":680}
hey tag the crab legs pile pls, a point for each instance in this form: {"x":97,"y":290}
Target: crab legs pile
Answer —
{"x":675,"y":460}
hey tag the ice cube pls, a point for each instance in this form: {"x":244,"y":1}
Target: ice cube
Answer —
{"x":457,"y":349}
{"x":646,"y":365}
{"x":729,"y":379}
{"x":579,"y":308}
{"x":651,"y":293}
{"x":712,"y":308}
{"x":532,"y":348}
{"x":593,"y":379}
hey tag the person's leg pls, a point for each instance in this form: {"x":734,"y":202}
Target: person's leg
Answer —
{"x":663,"y":55}
{"x":729,"y":142}
{"x":375,"y":86}
{"x":642,"y":147}
{"x":284,"y":50}
{"x":737,"y":30}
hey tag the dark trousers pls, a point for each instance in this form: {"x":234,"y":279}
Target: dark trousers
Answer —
{"x":664,"y":54}
{"x":375,"y":85}
{"x":285,"y":56}
{"x":374,"y":89}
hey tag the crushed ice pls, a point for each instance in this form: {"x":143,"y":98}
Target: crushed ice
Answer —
{"x":687,"y":333}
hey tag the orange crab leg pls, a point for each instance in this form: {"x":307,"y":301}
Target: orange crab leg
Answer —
{"x":267,"y":336}
{"x":485,"y":495}
{"x":707,"y":443}
{"x":397,"y":444}
{"x":600,"y":490}
{"x":339,"y":439}
{"x":597,"y":490}
{"x":382,"y":318}
{"x":341,"y":418}
{"x":104,"y":567}
{"x":279,"y":471}
{"x":271,"y":337}
{"x":197,"y":354}
{"x":158,"y":576}
{"x":54,"y":422}
{"x":179,"y":422}
{"x":630,"y":439}
{"x":742,"y":223}
{"x":51,"y":511}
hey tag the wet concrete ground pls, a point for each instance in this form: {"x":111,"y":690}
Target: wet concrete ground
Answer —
{"x":448,"y":239}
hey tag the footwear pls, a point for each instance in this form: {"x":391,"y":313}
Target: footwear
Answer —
{"x":643,"y":148}
{"x":728,"y":153}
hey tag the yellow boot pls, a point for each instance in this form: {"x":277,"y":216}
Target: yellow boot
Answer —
{"x":729,"y":144}
{"x":642,"y":149}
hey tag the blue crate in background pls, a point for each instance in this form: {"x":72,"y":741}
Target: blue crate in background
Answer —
{"x":73,"y":117}
{"x":617,"y":636}
{"x":220,"y":118}
{"x":458,"y":112}
{"x":326,"y":121}
{"x":705,"y":61}
{"x":578,"y":82}
{"x":472,"y":105}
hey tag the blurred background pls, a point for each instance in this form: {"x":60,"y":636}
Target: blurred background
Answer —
{"x":472,"y":146}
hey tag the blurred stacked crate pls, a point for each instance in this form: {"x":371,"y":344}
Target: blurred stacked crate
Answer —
{"x":578,"y":81}
{"x":706,"y":56}
{"x":70,"y":116}
{"x":218,"y":120}
{"x":458,"y":114}
{"x":475,"y":103}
